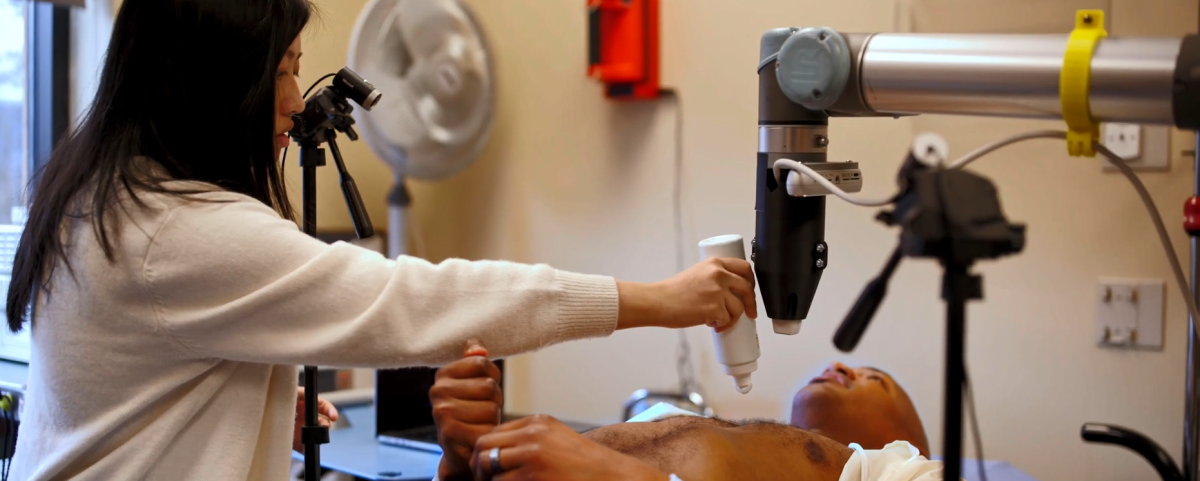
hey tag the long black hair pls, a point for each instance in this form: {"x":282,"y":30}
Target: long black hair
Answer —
{"x":189,"y":84}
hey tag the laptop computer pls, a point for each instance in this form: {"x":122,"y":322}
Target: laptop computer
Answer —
{"x":404,"y":416}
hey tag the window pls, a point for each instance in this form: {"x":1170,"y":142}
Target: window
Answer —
{"x":34,"y":96}
{"x":14,"y":129}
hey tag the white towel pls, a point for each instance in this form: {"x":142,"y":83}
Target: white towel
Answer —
{"x":898,"y":461}
{"x":660,"y":411}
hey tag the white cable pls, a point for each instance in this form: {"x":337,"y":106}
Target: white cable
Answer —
{"x":823,"y":182}
{"x":1148,"y":201}
{"x":992,"y":147}
{"x":685,"y":369}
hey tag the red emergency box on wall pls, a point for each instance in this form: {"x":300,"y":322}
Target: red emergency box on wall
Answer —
{"x":623,"y":47}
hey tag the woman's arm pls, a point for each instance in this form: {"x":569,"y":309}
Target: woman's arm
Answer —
{"x":232,"y":280}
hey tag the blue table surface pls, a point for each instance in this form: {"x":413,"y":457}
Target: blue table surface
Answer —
{"x":353,"y":450}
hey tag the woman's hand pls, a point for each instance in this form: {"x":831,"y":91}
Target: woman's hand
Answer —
{"x":538,"y":448}
{"x":466,"y":402}
{"x":326,"y":416}
{"x":714,"y":292}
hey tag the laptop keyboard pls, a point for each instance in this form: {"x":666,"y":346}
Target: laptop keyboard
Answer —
{"x":424,"y":435}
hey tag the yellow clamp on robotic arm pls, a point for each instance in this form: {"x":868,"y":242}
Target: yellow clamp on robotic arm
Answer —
{"x":1082,"y":130}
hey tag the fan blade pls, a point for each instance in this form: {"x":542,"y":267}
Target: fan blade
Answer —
{"x":423,"y":23}
{"x":397,"y":113}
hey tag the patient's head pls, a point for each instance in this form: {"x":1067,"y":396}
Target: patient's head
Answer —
{"x":862,"y":405}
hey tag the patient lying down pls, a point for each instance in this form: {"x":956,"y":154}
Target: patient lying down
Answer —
{"x":842,"y":406}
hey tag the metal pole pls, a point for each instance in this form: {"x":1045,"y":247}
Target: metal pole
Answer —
{"x":312,"y":435}
{"x":955,"y":282}
{"x":312,"y":450}
{"x":1015,"y":76}
{"x":1191,"y":425}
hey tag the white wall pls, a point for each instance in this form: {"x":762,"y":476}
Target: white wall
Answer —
{"x":581,"y":183}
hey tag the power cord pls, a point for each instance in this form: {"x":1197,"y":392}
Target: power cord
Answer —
{"x":684,"y":367}
{"x":994,"y":146}
{"x":781,"y":164}
{"x":970,"y":394}
{"x":1156,"y":218}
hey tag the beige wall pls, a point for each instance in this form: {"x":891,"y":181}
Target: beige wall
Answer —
{"x":581,"y":183}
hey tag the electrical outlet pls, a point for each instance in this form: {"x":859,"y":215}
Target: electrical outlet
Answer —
{"x":1129,"y":313}
{"x":1124,"y":140}
{"x":1142,"y":147}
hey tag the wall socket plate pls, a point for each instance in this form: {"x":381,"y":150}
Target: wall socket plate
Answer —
{"x":1124,"y":140}
{"x":1130,"y":313}
{"x":1142,"y":147}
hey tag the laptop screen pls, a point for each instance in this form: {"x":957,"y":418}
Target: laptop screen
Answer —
{"x":402,"y":398}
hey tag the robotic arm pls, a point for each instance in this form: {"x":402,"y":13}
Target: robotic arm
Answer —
{"x":807,"y":75}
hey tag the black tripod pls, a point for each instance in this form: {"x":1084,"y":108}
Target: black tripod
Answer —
{"x":325,"y":113}
{"x":953,"y":216}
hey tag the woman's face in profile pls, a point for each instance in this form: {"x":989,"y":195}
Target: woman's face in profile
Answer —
{"x":287,"y":95}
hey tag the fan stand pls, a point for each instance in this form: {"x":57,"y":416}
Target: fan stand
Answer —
{"x":399,"y":200}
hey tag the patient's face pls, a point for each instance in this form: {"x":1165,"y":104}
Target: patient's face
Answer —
{"x":861,"y":405}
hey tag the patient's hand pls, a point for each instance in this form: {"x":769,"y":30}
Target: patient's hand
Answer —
{"x":540,"y":447}
{"x":467,"y":402}
{"x":326,"y":416}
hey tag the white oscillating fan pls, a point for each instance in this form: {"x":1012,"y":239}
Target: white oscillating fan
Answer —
{"x":430,"y":60}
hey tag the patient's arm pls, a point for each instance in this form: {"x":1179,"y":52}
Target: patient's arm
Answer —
{"x":467,"y":402}
{"x":542,"y":448}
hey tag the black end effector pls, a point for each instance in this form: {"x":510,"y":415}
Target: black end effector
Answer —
{"x":789,"y":249}
{"x":1136,"y":442}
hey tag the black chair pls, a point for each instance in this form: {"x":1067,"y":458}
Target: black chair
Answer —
{"x":1135,"y":441}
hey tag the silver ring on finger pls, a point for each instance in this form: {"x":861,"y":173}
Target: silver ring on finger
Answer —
{"x":494,"y":461}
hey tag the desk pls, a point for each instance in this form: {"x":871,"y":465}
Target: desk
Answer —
{"x":353,"y":450}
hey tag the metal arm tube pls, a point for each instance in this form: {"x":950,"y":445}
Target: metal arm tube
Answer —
{"x":1013,"y":76}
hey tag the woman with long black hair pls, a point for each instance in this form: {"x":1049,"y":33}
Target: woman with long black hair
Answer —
{"x":171,"y":295}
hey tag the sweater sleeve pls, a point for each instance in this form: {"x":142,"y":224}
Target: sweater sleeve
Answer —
{"x":232,"y":280}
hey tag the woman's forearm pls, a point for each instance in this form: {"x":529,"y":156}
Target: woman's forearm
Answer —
{"x":640,"y":305}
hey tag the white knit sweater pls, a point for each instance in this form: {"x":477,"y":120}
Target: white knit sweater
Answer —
{"x":177,"y":361}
